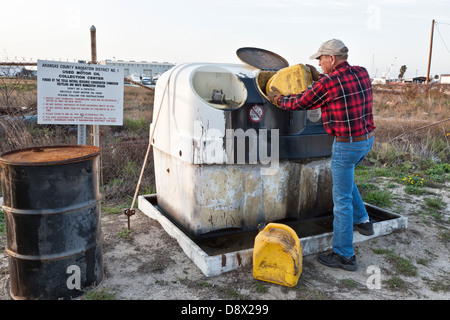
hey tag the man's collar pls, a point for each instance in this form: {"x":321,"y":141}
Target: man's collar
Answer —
{"x":342,"y":65}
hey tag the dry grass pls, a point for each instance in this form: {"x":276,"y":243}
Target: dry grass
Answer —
{"x":138,"y":103}
{"x":411,"y":121}
{"x":416,"y":102}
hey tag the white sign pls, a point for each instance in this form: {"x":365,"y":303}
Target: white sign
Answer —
{"x":79,"y":93}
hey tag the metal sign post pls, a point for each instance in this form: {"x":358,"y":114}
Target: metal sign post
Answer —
{"x":81,"y":127}
{"x":81,"y":134}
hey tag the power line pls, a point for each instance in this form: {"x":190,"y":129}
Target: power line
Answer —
{"x":442,"y":38}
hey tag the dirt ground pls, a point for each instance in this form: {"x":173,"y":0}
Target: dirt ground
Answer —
{"x":147,"y":264}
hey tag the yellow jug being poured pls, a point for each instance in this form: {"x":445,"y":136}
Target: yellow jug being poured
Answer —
{"x":277,"y":255}
{"x":291,"y":80}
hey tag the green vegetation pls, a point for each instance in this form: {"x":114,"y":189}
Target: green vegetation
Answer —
{"x":99,"y":294}
{"x":260,"y":287}
{"x":136,"y":125}
{"x":379,"y":198}
{"x":124,"y":233}
{"x":401,"y":265}
{"x":2,"y":224}
{"x":381,"y":182}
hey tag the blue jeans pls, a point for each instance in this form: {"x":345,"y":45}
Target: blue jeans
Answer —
{"x":348,"y":206}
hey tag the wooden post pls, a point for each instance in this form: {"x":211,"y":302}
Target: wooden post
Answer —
{"x":429,"y":56}
{"x":95,"y":128}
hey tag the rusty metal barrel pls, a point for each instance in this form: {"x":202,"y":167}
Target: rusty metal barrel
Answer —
{"x":51,"y":201}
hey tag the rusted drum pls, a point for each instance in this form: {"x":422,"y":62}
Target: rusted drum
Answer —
{"x":51,"y":201}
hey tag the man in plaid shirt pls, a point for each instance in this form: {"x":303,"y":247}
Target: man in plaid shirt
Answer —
{"x":344,"y":94}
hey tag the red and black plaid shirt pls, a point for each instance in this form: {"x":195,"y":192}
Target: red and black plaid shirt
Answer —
{"x":345,"y":97}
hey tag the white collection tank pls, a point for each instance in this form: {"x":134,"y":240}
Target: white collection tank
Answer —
{"x":226,"y":158}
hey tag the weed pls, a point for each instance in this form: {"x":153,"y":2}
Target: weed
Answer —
{"x":261,"y":287}
{"x":2,"y":223}
{"x":349,"y":283}
{"x":112,"y":209}
{"x":149,"y":190}
{"x":231,"y":293}
{"x":438,"y":169}
{"x":437,"y":285}
{"x":380,"y":198}
{"x":434,"y":206}
{"x":434,"y":203}
{"x":182,"y":280}
{"x":382,"y":172}
{"x":102,"y":294}
{"x":390,"y":185}
{"x":383,"y":153}
{"x":161,"y":283}
{"x":124,"y":233}
{"x":379,"y":251}
{"x":396,"y":283}
{"x":423,"y":261}
{"x":406,"y":166}
{"x":135,"y":125}
{"x":414,"y":190}
{"x":362,"y":175}
{"x":431,"y":254}
{"x":401,"y":265}
{"x":204,"y":284}
{"x":436,"y":178}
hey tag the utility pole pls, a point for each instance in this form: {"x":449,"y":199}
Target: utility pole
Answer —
{"x":431,"y":47}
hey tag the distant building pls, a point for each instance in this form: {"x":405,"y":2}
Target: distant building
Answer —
{"x":139,"y":68}
{"x":445,"y":78}
{"x":417,"y":80}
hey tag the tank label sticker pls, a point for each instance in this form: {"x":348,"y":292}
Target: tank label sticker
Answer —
{"x":256,"y":113}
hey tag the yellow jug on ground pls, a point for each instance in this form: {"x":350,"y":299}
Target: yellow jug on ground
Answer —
{"x":277,"y":255}
{"x":291,"y":80}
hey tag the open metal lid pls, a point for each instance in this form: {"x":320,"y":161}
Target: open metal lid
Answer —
{"x":262,"y":59}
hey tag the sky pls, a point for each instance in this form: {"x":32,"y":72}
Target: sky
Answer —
{"x":381,"y":35}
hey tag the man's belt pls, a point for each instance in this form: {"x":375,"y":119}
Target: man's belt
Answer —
{"x":355,"y":139}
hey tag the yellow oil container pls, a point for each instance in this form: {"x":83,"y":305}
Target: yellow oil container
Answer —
{"x":291,"y":80}
{"x":277,"y":255}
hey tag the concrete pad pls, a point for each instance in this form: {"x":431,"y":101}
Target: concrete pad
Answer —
{"x":212,"y":265}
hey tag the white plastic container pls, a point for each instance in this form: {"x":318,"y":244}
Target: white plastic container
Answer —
{"x":202,"y":182}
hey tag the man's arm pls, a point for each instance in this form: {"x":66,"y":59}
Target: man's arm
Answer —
{"x":311,"y":98}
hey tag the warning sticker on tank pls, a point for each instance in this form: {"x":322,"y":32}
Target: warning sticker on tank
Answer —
{"x":256,"y":113}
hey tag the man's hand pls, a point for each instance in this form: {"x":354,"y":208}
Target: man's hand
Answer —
{"x":273,"y":95}
{"x":314,"y":73}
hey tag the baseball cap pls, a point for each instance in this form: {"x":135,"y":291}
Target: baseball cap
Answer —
{"x":333,"y":47}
